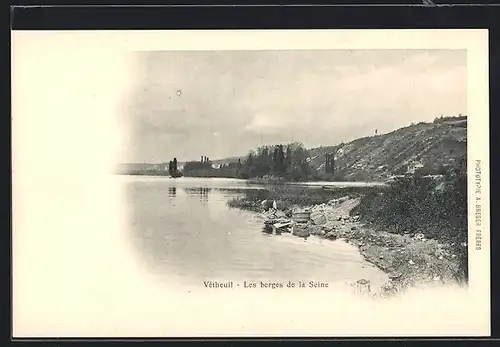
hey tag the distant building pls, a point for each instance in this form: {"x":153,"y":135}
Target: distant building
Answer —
{"x":220,"y":165}
{"x":413,"y":166}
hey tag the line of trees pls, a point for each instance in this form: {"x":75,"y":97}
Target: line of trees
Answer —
{"x":202,"y":168}
{"x":443,"y":119}
{"x":290,"y":162}
{"x":281,"y":161}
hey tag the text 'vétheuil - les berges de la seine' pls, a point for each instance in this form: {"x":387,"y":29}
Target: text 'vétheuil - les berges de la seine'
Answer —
{"x":265,"y":284}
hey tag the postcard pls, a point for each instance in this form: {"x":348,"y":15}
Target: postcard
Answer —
{"x":250,"y":183}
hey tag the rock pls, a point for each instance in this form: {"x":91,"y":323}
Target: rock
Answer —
{"x":395,"y":275}
{"x":331,"y":235}
{"x":353,"y":228}
{"x":280,"y":214}
{"x":330,"y":225}
{"x":411,"y":262}
{"x":300,"y":231}
{"x":440,"y":257}
{"x":339,"y":218}
{"x":355,"y":218}
{"x":381,"y":256}
{"x":266,"y":205}
{"x":362,"y":286}
{"x":314,"y":230}
{"x":388,"y":288}
{"x":268,"y":228}
{"x":436,"y":278}
{"x":318,"y":218}
{"x":280,"y":205}
{"x":343,"y":199}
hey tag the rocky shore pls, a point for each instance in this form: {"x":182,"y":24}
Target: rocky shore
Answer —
{"x":408,"y":259}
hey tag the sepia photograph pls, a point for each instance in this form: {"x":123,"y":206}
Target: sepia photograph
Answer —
{"x":329,"y":183}
{"x":307,"y":144}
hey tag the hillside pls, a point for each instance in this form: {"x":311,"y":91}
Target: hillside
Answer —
{"x":437,"y":146}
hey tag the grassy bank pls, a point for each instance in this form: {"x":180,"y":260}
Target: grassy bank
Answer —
{"x":289,"y":197}
{"x":433,"y":210}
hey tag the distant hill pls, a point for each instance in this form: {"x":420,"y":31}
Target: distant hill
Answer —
{"x":136,"y":166}
{"x":227,"y":160}
{"x":132,"y":167}
{"x":437,"y":146}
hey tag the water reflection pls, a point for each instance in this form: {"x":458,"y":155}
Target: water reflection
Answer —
{"x":202,"y":192}
{"x":190,"y":233}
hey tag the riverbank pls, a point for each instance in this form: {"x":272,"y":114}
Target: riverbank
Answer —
{"x":296,"y":196}
{"x":409,"y":259}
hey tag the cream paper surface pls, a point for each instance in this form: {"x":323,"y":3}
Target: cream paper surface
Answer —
{"x":73,"y":273}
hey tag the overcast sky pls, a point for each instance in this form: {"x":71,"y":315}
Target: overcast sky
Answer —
{"x":233,"y":101}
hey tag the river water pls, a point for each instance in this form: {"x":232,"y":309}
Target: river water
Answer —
{"x":183,"y":228}
{"x":101,"y":264}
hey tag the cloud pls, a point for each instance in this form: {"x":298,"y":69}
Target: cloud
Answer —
{"x":254,"y":97}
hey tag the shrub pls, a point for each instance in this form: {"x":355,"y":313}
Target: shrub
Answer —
{"x":413,"y":204}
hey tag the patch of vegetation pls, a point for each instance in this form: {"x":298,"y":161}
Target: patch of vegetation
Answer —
{"x":436,"y":209}
{"x":287,"y":196}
